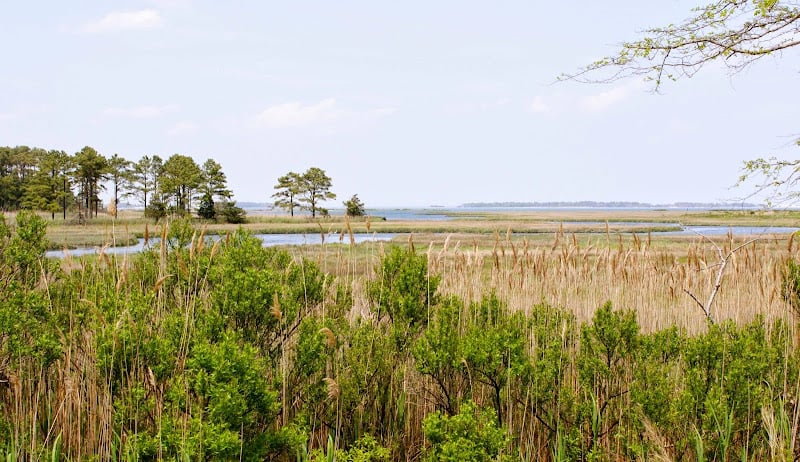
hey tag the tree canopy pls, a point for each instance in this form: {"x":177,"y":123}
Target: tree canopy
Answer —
{"x":304,"y":191}
{"x":120,"y":173}
{"x":55,"y":181}
{"x":288,"y":188}
{"x":354,"y":207}
{"x":91,"y":170}
{"x":316,"y":188}
{"x":180,"y":178}
{"x":146,"y":173}
{"x":213,"y":181}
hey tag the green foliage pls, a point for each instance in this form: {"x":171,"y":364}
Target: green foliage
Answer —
{"x":438,"y":354}
{"x":790,"y":287}
{"x":231,"y":213}
{"x":120,"y":174}
{"x":657,"y":362}
{"x":403,"y":289}
{"x":469,"y":436}
{"x":222,"y":350}
{"x":180,"y":232}
{"x":315,"y":187}
{"x":236,"y":400}
{"x":49,"y":188}
{"x":206,"y":209}
{"x":545,"y":384}
{"x":368,"y":397}
{"x":365,"y":449}
{"x":22,"y":259}
{"x":606,"y":358}
{"x":30,"y":332}
{"x":179,"y":179}
{"x":16,"y":165}
{"x":606,"y":344}
{"x":305,"y":191}
{"x":261,"y":292}
{"x":495,"y":347}
{"x":156,"y":210}
{"x":144,"y":179}
{"x":213,"y":181}
{"x":729,"y":371}
{"x":354,"y":207}
{"x":91,"y":169}
{"x":289,"y":188}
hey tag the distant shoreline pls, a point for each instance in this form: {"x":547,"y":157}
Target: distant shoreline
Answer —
{"x":620,"y":204}
{"x":268,"y":209}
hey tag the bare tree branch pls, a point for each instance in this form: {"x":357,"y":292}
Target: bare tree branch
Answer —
{"x":723,"y":262}
{"x":735,"y":32}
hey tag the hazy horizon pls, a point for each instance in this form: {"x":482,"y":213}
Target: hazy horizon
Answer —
{"x":416,"y":103}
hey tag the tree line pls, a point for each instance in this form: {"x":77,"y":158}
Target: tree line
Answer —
{"x":61,"y":183}
{"x":308,"y":190}
{"x":58,"y":182}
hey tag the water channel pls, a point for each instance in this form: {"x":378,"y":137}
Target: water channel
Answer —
{"x":315,"y":238}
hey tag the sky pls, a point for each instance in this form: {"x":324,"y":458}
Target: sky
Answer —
{"x":404,"y":103}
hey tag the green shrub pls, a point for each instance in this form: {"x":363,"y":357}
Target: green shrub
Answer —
{"x":231,"y":213}
{"x":261,"y":292}
{"x":403,"y":289}
{"x":472,"y":435}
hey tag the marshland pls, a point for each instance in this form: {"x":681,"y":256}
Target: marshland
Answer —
{"x":190,"y":329}
{"x":514,"y":336}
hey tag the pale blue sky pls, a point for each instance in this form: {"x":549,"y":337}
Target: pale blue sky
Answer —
{"x":404,"y":103}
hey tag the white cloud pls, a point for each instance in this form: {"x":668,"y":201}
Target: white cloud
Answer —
{"x":296,"y":114}
{"x":171,"y":3}
{"x":125,"y":20}
{"x":140,"y":112}
{"x":324,"y":113}
{"x":601,"y":101}
{"x":182,"y":128}
{"x":538,"y":106}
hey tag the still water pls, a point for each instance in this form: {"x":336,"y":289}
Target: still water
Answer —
{"x":311,"y":239}
{"x":269,"y":240}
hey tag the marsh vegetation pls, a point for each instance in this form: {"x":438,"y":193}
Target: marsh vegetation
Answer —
{"x":462,"y":346}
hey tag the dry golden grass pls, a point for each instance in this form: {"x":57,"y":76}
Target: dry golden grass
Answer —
{"x":552,"y":256}
{"x":652,"y":277}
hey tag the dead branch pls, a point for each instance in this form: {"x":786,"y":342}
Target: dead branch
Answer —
{"x":723,"y":262}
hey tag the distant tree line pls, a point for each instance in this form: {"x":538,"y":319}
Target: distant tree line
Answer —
{"x":57,"y":182}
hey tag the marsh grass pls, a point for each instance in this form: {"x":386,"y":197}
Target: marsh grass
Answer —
{"x":647,"y":275}
{"x":131,"y":225}
{"x":127,"y":328}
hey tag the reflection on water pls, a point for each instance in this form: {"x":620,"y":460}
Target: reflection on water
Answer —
{"x":269,"y":240}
